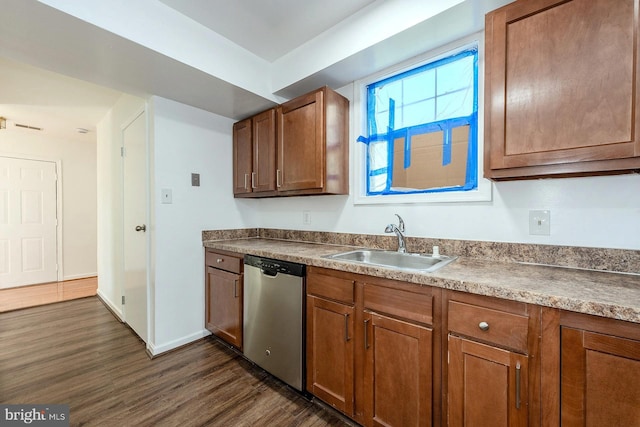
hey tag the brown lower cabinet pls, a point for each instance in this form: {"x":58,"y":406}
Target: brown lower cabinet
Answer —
{"x":223,"y":296}
{"x":398,"y":377}
{"x":330,"y":352}
{"x":592,"y":372}
{"x":489,"y":345}
{"x":370,"y":348}
{"x":487,"y":385}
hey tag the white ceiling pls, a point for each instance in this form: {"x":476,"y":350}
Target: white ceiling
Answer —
{"x":230,"y":57}
{"x":58,"y":104}
{"x":268,"y":28}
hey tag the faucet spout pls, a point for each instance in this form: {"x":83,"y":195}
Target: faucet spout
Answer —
{"x":399,"y":230}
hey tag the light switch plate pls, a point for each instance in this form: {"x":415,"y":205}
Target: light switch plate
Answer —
{"x":540,"y":223}
{"x":306,"y":217}
{"x":165,"y":196}
{"x":195,"y":180}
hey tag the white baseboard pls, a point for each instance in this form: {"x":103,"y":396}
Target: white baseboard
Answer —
{"x":79,"y":276}
{"x":155,"y":350}
{"x":114,"y":309}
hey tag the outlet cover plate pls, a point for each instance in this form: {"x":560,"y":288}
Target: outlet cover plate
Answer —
{"x":540,"y":223}
{"x":306,"y":217}
{"x":165,"y":196}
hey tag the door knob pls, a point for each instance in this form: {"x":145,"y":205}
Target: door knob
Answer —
{"x":141,"y":227}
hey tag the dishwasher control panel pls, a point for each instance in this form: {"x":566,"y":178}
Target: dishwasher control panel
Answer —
{"x":272,"y":267}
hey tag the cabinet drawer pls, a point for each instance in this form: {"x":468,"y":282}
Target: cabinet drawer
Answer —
{"x":223,"y":261}
{"x":400,"y":303}
{"x":331,"y":287}
{"x":492,"y":326}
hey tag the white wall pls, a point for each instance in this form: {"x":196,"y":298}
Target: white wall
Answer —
{"x":188,"y":140}
{"x":591,"y":211}
{"x":109,"y":200}
{"x":78,"y":175}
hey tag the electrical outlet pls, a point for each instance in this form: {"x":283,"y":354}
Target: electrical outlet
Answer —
{"x":540,"y":223}
{"x":306,"y":217}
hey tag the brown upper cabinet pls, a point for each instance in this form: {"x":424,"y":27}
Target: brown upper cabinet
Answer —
{"x":254,"y":154}
{"x":300,"y":148}
{"x":561,"y":88}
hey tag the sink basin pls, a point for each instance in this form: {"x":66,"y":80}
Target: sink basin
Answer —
{"x":402,"y":261}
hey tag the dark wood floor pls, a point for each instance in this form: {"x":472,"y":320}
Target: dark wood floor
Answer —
{"x":77,"y":353}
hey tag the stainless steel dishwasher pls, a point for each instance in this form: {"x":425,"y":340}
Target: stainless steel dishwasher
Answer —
{"x":274,"y":317}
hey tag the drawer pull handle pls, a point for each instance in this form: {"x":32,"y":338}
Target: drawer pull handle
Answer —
{"x":346,"y":327}
{"x":235,"y":288}
{"x":219,"y":260}
{"x":483,"y":326}
{"x":518,"y":385}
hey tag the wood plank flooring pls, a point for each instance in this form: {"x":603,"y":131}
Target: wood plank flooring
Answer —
{"x":77,"y":353}
{"x":46,"y":293}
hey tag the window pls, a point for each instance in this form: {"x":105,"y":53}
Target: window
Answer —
{"x":422,"y":127}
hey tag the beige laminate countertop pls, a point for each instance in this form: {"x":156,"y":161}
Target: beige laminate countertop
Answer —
{"x":612,"y":295}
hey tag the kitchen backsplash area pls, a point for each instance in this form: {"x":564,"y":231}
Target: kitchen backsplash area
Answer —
{"x":602,"y":259}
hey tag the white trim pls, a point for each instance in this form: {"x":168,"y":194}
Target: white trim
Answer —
{"x":59,"y":220}
{"x":484,"y":190}
{"x":155,"y":350}
{"x":59,"y":210}
{"x":114,"y":308}
{"x":80,"y":276}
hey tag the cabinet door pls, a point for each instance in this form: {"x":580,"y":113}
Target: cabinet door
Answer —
{"x":487,"y":385}
{"x":264,"y":152}
{"x":599,"y":380}
{"x":242,"y":157}
{"x":562,"y":87}
{"x":330,"y":361}
{"x":301,"y":143}
{"x":224,"y":305}
{"x":398,"y":372}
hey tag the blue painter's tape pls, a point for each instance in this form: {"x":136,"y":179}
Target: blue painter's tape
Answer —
{"x":446,"y":146}
{"x":390,"y":155}
{"x":407,"y":149}
{"x":371,"y":110}
{"x":446,"y":126}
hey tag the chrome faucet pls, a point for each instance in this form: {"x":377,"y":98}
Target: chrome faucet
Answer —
{"x":399,"y":230}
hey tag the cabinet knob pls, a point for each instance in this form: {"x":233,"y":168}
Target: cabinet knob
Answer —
{"x":219,"y":260}
{"x":484,"y":326}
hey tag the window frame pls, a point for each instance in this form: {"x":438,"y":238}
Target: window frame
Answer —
{"x":483,"y":192}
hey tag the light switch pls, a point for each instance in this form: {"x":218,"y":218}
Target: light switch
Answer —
{"x":195,"y":180}
{"x":165,"y":196}
{"x":540,"y":223}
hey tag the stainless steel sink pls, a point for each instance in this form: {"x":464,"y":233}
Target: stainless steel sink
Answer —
{"x":402,"y":261}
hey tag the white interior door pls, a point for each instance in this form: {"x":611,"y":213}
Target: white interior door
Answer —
{"x":135,"y":217}
{"x":28,"y":224}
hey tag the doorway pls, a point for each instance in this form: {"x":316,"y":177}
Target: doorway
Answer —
{"x":135,"y":201}
{"x":28,"y":221}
